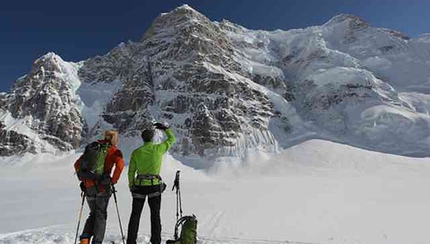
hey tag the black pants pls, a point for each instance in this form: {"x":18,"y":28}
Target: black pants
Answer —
{"x":95,"y":226}
{"x":154,"y":205}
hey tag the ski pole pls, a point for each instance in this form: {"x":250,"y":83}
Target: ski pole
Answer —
{"x":180,"y":202}
{"x":117,"y":211}
{"x":178,"y":195}
{"x":80,"y":215}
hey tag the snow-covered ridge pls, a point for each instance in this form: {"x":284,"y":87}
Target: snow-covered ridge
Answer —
{"x":226,"y":89}
{"x":341,"y":70}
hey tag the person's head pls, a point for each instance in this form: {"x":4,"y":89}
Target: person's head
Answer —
{"x":147,"y":135}
{"x":112,"y":137}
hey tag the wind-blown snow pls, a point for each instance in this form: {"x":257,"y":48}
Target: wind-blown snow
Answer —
{"x":361,"y":85}
{"x":95,"y":97}
{"x":316,"y":192}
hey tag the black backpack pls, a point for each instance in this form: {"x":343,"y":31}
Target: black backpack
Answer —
{"x":92,"y":163}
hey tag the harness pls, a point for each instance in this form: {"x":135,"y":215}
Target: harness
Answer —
{"x":147,"y":177}
{"x":139,"y":178}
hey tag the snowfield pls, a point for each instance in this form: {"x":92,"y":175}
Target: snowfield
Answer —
{"x":315,"y":192}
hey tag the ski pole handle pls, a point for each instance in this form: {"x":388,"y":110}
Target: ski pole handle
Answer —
{"x":176,"y":182}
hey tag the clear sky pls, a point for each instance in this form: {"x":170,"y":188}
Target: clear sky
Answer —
{"x":80,"y":29}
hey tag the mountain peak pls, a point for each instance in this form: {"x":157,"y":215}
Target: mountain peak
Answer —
{"x":176,"y":17}
{"x":185,"y":7}
{"x":182,"y":11}
{"x":348,"y":19}
{"x":49,"y":57}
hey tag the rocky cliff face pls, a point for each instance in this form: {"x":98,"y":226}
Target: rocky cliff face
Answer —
{"x":183,"y":72}
{"x":45,"y":105}
{"x":226,"y":89}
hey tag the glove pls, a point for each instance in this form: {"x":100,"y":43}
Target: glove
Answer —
{"x":163,"y":187}
{"x":113,"y":189}
{"x":160,"y":126}
{"x":83,"y":187}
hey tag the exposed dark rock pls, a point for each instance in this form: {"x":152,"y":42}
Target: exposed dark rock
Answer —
{"x":13,"y":143}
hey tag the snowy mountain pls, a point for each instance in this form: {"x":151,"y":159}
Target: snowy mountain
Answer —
{"x":226,"y":89}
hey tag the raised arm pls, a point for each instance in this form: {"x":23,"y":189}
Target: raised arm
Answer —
{"x":167,"y":144}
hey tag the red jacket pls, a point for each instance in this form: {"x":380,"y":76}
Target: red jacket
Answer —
{"x":114,"y":157}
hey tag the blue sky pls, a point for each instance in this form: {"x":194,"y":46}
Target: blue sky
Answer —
{"x":80,"y":29}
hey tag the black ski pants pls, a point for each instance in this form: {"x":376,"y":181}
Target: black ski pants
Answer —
{"x":154,"y":205}
{"x":95,"y":226}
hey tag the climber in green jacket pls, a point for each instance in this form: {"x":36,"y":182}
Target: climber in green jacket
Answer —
{"x":145,"y":181}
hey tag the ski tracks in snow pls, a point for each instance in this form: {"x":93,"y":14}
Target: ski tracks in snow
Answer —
{"x":46,"y":235}
{"x":64,"y":235}
{"x":204,"y":240}
{"x":211,"y":226}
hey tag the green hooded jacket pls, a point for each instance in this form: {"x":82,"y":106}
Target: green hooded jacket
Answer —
{"x":146,"y":160}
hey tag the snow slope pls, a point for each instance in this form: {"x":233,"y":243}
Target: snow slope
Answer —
{"x":315,"y":192}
